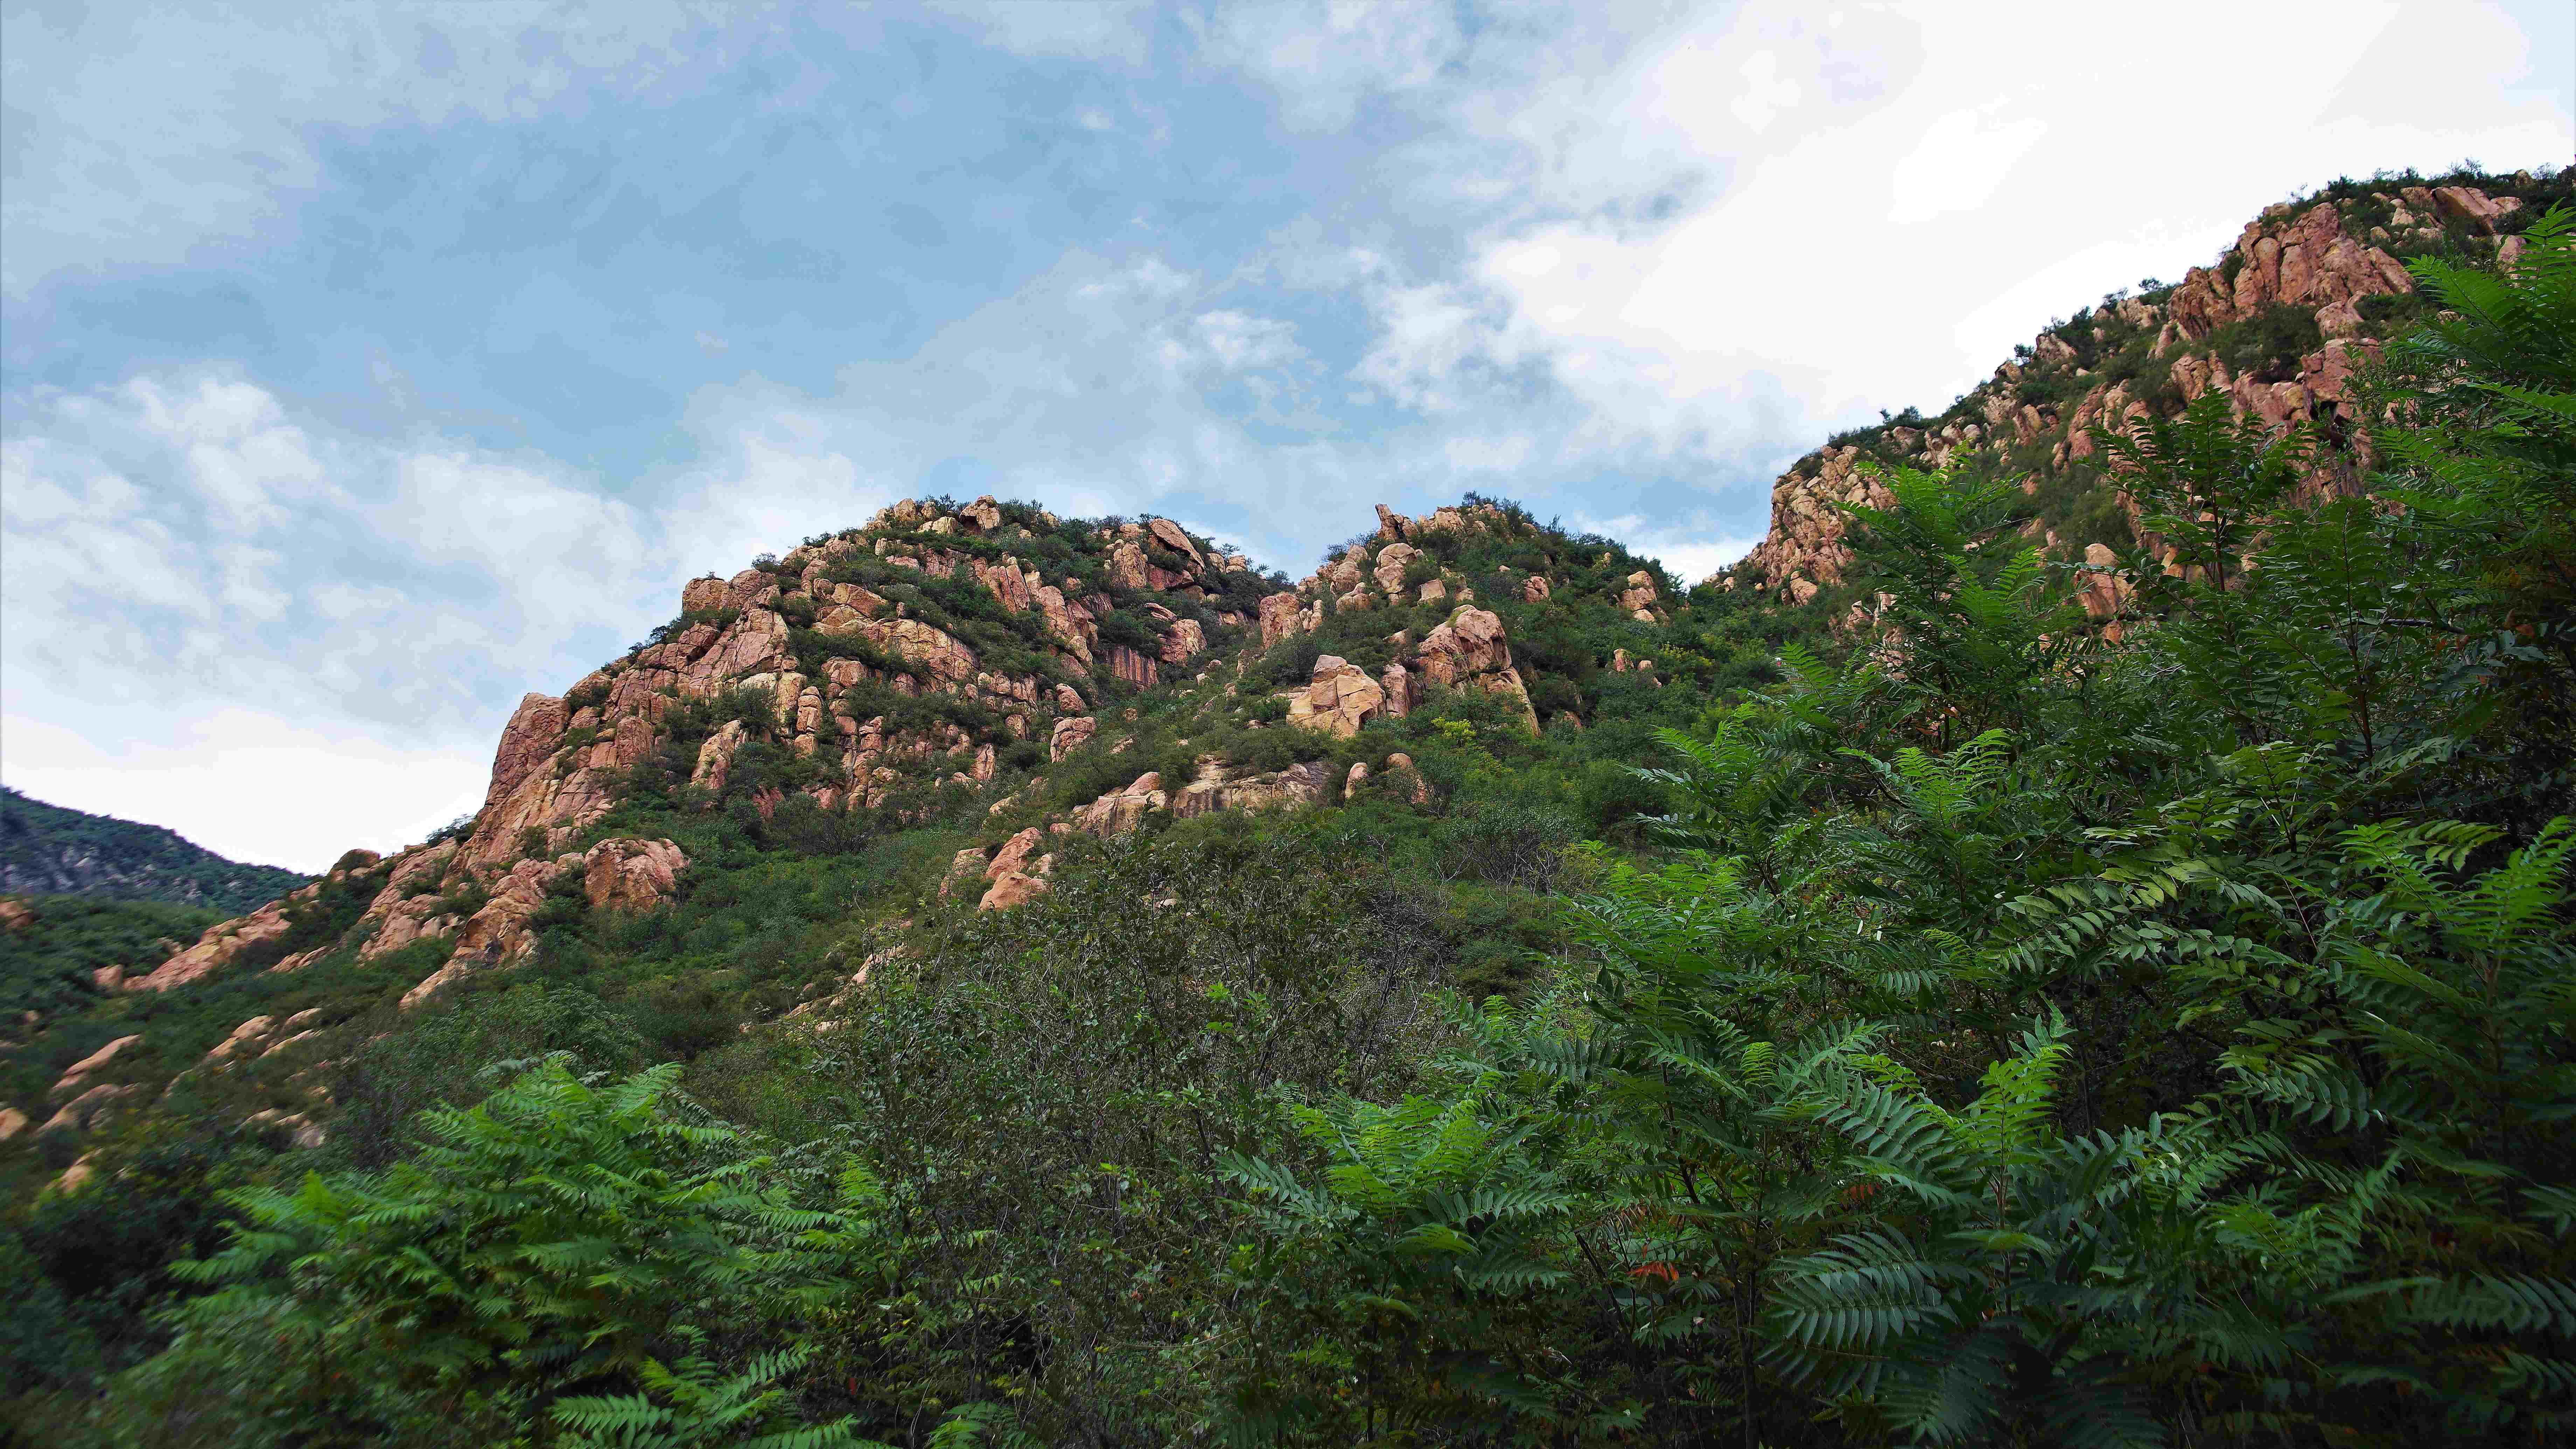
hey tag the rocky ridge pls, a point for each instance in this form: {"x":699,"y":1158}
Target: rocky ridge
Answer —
{"x":932,"y":655}
{"x":2280,"y":325}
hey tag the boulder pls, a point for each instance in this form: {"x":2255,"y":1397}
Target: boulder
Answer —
{"x":1470,"y":643}
{"x":1071,"y":735}
{"x":630,"y":744}
{"x":1012,"y":888}
{"x":754,"y":642}
{"x":631,"y":875}
{"x":88,"y":1110}
{"x":16,"y":914}
{"x":964,"y":866}
{"x":2104,"y":593}
{"x":1280,"y":617}
{"x":78,"y":1072}
{"x":1392,"y":561}
{"x":1121,"y":811}
{"x":1397,"y":683}
{"x":750,"y":589}
{"x":1185,"y":639}
{"x":1015,"y":853}
{"x":1338,"y":698}
{"x":1127,"y":564}
{"x":1171,"y":535}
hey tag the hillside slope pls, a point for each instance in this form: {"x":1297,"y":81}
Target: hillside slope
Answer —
{"x":50,"y":850}
{"x":1108,"y":993}
{"x":2285,"y":323}
{"x":916,"y":716}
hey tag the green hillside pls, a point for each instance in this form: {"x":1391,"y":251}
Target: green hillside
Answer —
{"x":49,"y":850}
{"x":2034,"y":957}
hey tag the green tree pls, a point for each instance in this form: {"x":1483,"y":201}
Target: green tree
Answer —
{"x":559,"y":1240}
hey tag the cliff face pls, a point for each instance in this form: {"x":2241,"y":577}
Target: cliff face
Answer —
{"x":2280,"y":324}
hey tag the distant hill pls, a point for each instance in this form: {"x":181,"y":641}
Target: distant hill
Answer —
{"x":49,"y":850}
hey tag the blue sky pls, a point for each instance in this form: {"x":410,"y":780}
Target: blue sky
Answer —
{"x":362,"y":368}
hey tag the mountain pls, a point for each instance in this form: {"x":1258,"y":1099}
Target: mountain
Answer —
{"x":2286,"y":322}
{"x":2044,"y":951}
{"x":49,"y":850}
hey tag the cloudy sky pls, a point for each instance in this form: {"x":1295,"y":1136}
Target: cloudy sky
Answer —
{"x":366,"y":367}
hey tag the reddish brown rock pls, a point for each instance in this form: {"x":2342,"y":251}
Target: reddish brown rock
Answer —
{"x":79,"y":1072}
{"x":963,"y":867}
{"x":1392,"y":561}
{"x":1015,"y":853}
{"x":1640,"y":593}
{"x":631,"y":744}
{"x":221,"y":944}
{"x":1071,"y":735}
{"x":1339,"y":698}
{"x":1397,"y":684}
{"x":548,"y":802}
{"x":631,"y":875}
{"x":1140,"y":670}
{"x":750,"y":589}
{"x":1127,"y":564}
{"x":2104,"y":593}
{"x":1400,"y":763}
{"x":1010,"y":889}
{"x":753,"y":643}
{"x":1217,"y":786}
{"x":1121,"y":811}
{"x":1184,"y":641}
{"x":702,"y":595}
{"x":715,"y":756}
{"x":1470,"y":643}
{"x":1280,"y":617}
{"x":1172,"y":536}
{"x":16,"y":914}
{"x":536,"y":727}
{"x":88,"y":1111}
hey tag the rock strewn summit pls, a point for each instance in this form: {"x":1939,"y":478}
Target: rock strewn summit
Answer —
{"x":2280,"y":325}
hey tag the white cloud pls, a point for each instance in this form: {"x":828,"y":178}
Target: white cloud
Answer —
{"x":158,"y":136}
{"x":1760,"y":223}
{"x":1688,"y":551}
{"x":251,"y":785}
{"x":1615,"y":242}
{"x":1240,"y":340}
{"x":1323,"y":58}
{"x":182,"y":550}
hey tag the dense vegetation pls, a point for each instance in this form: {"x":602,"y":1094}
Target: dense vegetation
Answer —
{"x":47,"y":849}
{"x":1989,"y":1028}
